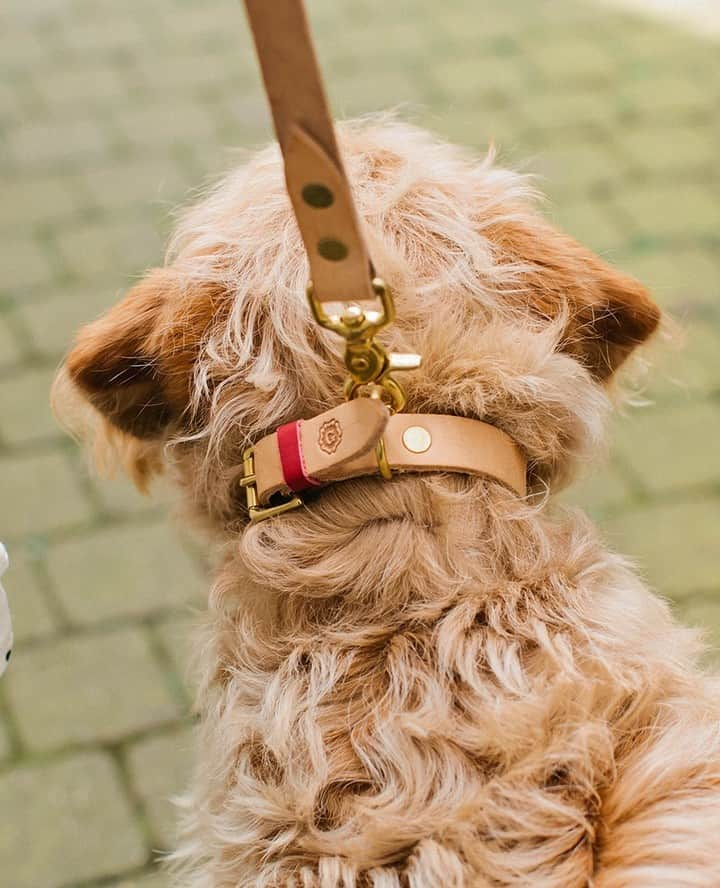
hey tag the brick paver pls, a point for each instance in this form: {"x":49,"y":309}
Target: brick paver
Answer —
{"x":676,"y":543}
{"x":116,"y":573}
{"x":40,"y":492}
{"x":159,"y":766}
{"x":61,"y":815}
{"x":80,"y":689}
{"x":109,"y":114}
{"x":647,"y":446}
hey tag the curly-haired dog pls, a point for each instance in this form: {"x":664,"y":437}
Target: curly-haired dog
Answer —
{"x":428,"y":681}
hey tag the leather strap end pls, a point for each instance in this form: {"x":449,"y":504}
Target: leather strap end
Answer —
{"x":334,"y":439}
{"x":316,"y":450}
{"x":340,"y":266}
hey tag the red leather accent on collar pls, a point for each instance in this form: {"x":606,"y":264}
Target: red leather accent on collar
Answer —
{"x":291,"y":458}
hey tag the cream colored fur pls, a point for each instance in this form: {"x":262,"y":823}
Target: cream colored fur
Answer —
{"x":426,"y":682}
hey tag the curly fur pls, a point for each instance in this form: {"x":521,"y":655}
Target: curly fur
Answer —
{"x":424,"y":682}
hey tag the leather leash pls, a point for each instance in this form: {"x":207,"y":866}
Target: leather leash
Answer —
{"x":368,"y":435}
{"x":340,"y":266}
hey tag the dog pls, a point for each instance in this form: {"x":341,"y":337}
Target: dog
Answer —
{"x":428,"y":681}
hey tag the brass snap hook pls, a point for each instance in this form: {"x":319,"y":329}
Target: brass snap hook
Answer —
{"x":367,"y":361}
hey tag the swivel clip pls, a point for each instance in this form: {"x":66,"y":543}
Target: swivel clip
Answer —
{"x":368,"y":363}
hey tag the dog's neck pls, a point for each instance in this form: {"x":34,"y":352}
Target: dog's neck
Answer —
{"x":366,"y":551}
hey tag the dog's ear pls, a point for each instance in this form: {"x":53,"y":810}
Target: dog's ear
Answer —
{"x":134,"y":364}
{"x":608,"y":312}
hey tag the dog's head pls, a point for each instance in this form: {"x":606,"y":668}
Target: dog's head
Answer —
{"x":517,"y":323}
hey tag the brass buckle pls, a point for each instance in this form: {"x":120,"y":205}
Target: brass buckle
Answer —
{"x":367,"y":361}
{"x":249,"y":482}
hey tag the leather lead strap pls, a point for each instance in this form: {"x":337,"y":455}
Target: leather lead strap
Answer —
{"x":340,"y":266}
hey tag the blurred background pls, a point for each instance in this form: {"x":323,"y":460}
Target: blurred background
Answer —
{"x":112,"y":113}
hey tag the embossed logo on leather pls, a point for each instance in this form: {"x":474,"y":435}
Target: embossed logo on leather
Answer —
{"x":330,"y":436}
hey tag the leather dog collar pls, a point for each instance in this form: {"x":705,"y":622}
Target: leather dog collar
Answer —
{"x":342,"y":443}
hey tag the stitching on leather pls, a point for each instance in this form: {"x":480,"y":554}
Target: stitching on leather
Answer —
{"x":309,"y":478}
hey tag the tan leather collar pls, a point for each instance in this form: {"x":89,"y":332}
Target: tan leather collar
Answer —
{"x":341,"y":444}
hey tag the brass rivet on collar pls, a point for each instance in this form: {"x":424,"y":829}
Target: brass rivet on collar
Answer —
{"x":416,"y":439}
{"x":331,"y":249}
{"x":317,"y":195}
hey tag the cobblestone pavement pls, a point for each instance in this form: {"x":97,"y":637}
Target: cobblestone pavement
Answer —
{"x":109,"y":113}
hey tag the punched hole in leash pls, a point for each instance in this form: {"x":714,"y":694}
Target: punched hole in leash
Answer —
{"x":332,"y":249}
{"x":318,"y":196}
